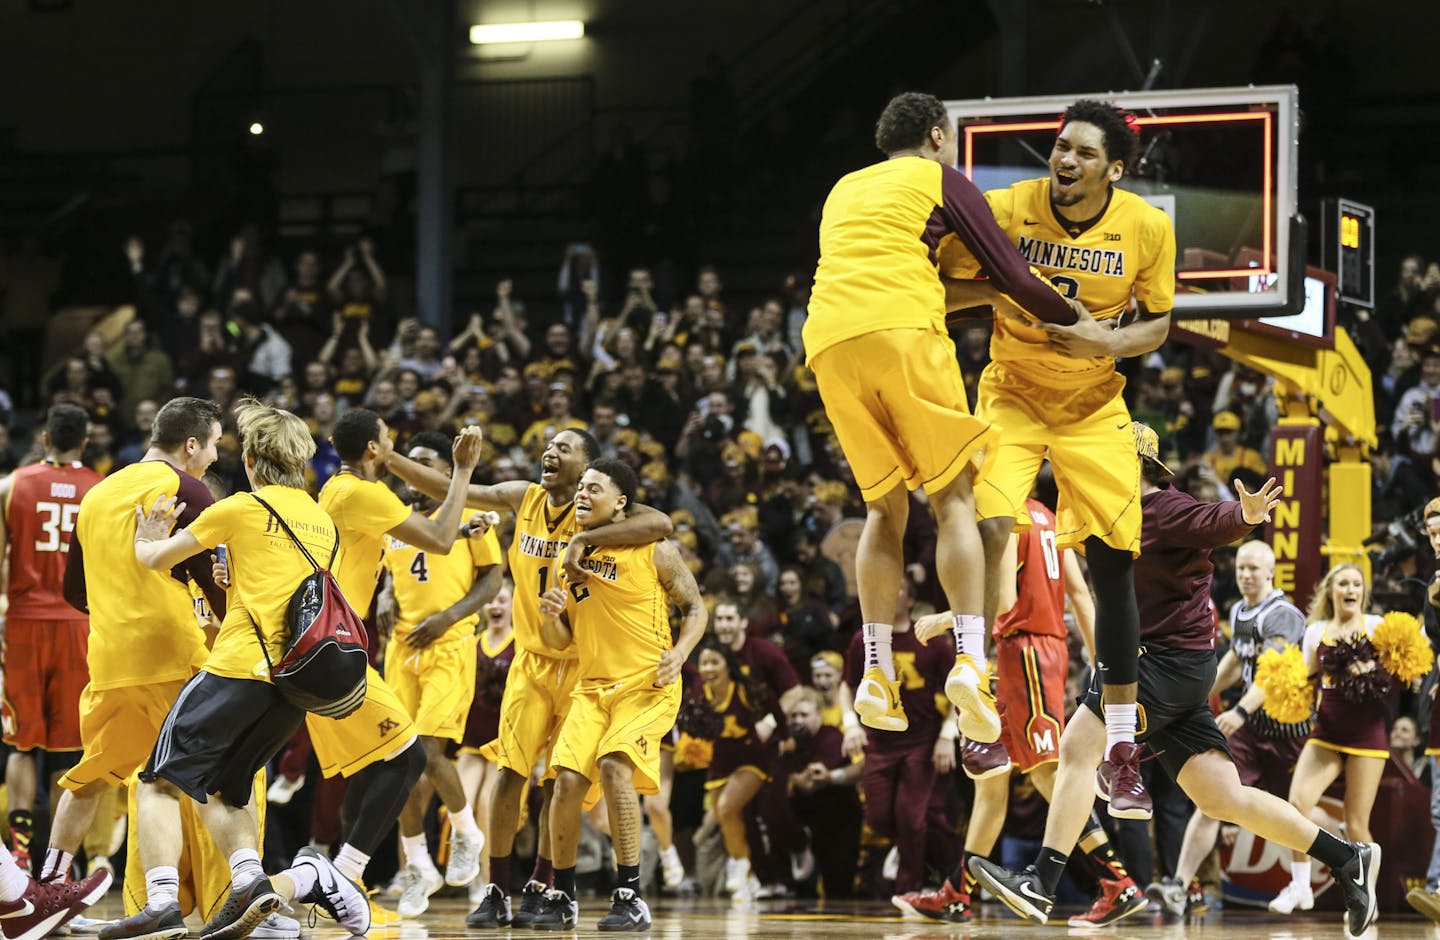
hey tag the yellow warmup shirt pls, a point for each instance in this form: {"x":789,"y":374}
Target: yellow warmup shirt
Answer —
{"x":1129,"y":252}
{"x":265,"y":570}
{"x":426,"y":583}
{"x":142,"y":622}
{"x":541,"y":534}
{"x":881,"y":233}
{"x":363,"y":511}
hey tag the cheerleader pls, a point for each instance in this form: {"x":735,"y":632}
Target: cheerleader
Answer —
{"x":1350,"y":722}
{"x":493,"y":653}
{"x":744,"y":759}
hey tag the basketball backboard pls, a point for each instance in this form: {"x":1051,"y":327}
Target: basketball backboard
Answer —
{"x":1221,"y":162}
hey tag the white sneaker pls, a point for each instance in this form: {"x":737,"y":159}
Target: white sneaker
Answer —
{"x":749,"y":889}
{"x":1293,"y":896}
{"x":891,"y":866}
{"x":417,"y":883}
{"x":277,"y":927}
{"x":802,"y":864}
{"x":672,"y":870}
{"x":283,"y":790}
{"x":339,"y":897}
{"x":86,"y":925}
{"x":737,"y":871}
{"x":464,"y":864}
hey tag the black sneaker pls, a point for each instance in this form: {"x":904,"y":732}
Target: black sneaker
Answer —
{"x":1020,"y":891}
{"x":532,"y":900}
{"x":558,"y":911}
{"x":494,"y":909}
{"x":166,"y":923}
{"x":1357,"y":881}
{"x":244,"y":910}
{"x":628,"y":911}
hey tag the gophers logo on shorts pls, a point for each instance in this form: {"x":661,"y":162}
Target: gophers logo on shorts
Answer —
{"x":388,"y":725}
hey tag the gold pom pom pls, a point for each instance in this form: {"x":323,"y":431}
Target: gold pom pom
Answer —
{"x":1404,"y":650}
{"x":1282,"y":676}
{"x":693,"y":753}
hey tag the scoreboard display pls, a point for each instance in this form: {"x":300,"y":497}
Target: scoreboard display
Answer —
{"x":1348,"y":248}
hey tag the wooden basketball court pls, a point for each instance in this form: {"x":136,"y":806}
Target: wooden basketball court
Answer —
{"x":710,"y":919}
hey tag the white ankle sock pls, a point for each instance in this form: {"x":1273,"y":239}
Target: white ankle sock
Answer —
{"x":877,"y":648}
{"x":970,"y":638}
{"x":417,"y":851}
{"x":351,"y":862}
{"x":162,"y":886}
{"x":464,"y":821}
{"x":13,"y":881}
{"x":245,"y":867}
{"x":1119,"y":726}
{"x":1300,"y":874}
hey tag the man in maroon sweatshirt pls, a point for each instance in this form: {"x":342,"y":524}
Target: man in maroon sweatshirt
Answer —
{"x":1177,"y":669}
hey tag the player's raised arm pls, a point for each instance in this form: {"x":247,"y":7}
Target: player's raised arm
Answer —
{"x":641,"y":526}
{"x":502,"y":497}
{"x":680,"y":587}
{"x":437,"y":533}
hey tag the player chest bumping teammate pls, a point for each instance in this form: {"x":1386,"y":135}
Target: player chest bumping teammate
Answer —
{"x":540,"y":680}
{"x":888,"y":376}
{"x":1054,"y":391}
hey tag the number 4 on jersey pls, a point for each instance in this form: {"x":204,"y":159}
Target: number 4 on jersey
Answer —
{"x":418,"y":568}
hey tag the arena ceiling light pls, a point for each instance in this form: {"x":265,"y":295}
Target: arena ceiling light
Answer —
{"x":495,"y":33}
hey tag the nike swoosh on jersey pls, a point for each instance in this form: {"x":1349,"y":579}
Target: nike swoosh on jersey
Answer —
{"x":1032,"y":221}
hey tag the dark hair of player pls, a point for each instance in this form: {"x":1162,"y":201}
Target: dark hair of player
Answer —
{"x":439,"y":443}
{"x":180,"y":419}
{"x":620,"y":474}
{"x":353,"y":432}
{"x":1152,"y":473}
{"x":592,"y":446}
{"x":1122,"y":142}
{"x":67,"y":426}
{"x":906,"y":121}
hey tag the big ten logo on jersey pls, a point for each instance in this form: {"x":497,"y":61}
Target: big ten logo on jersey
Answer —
{"x":603,"y":566}
{"x":906,"y":672}
{"x":57,"y":521}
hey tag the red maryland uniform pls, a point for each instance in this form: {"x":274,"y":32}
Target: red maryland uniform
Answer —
{"x":44,"y":500}
{"x":1031,"y":655}
{"x":46,"y":638}
{"x":1040,"y":582}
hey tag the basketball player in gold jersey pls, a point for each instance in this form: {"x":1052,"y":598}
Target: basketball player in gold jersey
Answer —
{"x":430,"y":663}
{"x":376,"y":747}
{"x":1055,"y":392}
{"x":627,"y":695}
{"x":537,"y":689}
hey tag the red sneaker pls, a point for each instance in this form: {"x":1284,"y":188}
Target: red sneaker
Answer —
{"x":1128,"y":799}
{"x":983,"y":760}
{"x":944,"y":903}
{"x":1117,"y":900}
{"x":46,"y":906}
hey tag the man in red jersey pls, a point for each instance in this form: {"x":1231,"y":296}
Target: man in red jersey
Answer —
{"x":1033,"y":662}
{"x":1177,"y":670}
{"x":45,"y":638}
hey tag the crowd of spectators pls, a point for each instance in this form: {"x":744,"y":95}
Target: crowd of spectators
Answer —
{"x":705,"y":395}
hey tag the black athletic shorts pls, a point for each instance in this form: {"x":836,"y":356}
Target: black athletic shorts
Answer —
{"x":1174,"y":716}
{"x":218,"y":734}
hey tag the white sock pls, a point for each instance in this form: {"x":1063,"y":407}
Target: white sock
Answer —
{"x":162,"y":886}
{"x":464,"y":821}
{"x":1119,"y":726}
{"x":245,"y":867}
{"x":877,"y":648}
{"x":417,"y":851}
{"x":1300,"y":874}
{"x":970,"y":638}
{"x":13,"y":881}
{"x":304,"y":878}
{"x":351,"y":862}
{"x":56,"y":863}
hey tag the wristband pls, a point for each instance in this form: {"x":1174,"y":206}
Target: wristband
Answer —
{"x":1240,"y":710}
{"x":849,"y":722}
